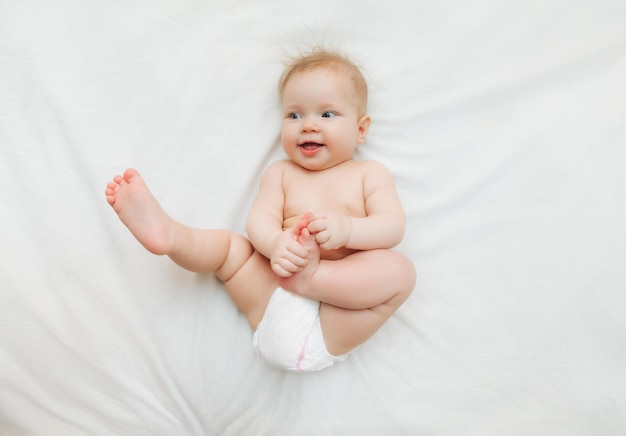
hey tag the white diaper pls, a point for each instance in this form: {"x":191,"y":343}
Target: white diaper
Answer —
{"x":290,"y":334}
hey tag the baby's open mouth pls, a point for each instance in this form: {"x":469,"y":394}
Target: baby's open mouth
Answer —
{"x":311,"y":145}
{"x":310,"y":149}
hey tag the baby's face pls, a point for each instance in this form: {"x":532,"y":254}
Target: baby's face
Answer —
{"x":321,"y":124}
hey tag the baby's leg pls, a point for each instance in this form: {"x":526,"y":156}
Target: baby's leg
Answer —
{"x":381,"y":281}
{"x":363,"y":296}
{"x":358,"y":293}
{"x":194,"y":249}
{"x":230,"y":256}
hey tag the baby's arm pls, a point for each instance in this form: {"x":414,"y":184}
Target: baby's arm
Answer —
{"x":383,"y":227}
{"x":265,"y":226}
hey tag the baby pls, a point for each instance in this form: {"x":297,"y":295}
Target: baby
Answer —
{"x":317,"y":277}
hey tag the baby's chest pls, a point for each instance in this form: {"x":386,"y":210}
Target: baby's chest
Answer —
{"x":339,"y":197}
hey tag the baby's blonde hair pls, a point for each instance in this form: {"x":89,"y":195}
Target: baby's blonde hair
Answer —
{"x":320,"y":58}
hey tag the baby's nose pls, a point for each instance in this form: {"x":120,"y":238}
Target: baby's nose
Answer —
{"x":310,"y":125}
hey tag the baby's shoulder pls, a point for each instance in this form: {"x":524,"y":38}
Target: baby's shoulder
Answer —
{"x":277,"y":168}
{"x":376,"y":176}
{"x":283,"y":172}
{"x":372,"y":167}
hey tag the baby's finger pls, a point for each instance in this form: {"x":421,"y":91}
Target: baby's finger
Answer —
{"x":279,"y":271}
{"x":283,"y":269}
{"x":290,"y":261}
{"x":298,"y":262}
{"x":297,"y":250}
{"x":322,"y":237}
{"x":328,"y":245}
{"x":292,"y":264}
{"x":317,"y":226}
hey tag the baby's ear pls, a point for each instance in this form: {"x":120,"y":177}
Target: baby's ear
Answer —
{"x":364,"y":126}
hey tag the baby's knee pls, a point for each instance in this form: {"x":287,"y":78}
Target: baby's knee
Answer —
{"x":405,"y":274}
{"x":239,"y":251}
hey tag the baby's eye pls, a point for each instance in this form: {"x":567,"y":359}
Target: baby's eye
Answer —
{"x":294,"y":116}
{"x":328,"y":114}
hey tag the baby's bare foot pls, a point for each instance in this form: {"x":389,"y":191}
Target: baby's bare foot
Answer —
{"x":140,"y":211}
{"x":301,"y":282}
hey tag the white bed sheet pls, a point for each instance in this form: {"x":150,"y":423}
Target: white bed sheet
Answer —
{"x":503,"y":122}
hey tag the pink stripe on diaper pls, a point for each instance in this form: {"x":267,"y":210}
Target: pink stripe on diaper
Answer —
{"x":301,"y":356}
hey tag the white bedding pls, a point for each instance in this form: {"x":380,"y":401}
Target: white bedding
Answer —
{"x":504,"y":123}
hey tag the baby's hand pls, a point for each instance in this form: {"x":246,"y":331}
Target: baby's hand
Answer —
{"x":287,"y":255}
{"x":331,"y":229}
